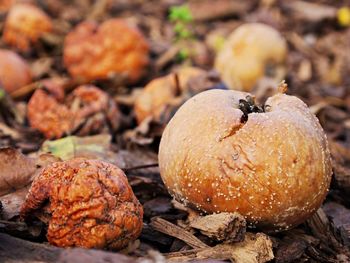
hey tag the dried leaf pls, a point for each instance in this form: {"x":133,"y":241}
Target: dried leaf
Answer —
{"x":312,"y":12}
{"x":92,"y":147}
{"x":17,"y":170}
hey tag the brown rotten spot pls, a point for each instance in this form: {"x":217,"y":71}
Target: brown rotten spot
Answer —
{"x":94,"y":51}
{"x":222,"y":153}
{"x":24,"y":25}
{"x":90,"y":204}
{"x":14,"y":71}
{"x":86,"y":110}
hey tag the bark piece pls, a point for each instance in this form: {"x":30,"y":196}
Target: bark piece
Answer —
{"x":293,"y":246}
{"x":256,"y":248}
{"x":322,"y":229}
{"x":170,"y":229}
{"x":340,"y":216}
{"x":227,"y":227}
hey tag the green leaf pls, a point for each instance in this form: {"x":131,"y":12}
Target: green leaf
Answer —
{"x":183,"y":55}
{"x":180,"y":13}
{"x":2,"y":94}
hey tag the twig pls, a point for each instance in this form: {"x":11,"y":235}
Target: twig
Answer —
{"x":256,"y":248}
{"x":170,"y":229}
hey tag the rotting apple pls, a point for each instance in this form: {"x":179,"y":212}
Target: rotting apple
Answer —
{"x":171,"y":91}
{"x":14,"y":71}
{"x":250,"y":52}
{"x":5,"y":5}
{"x":24,"y":25}
{"x":89,"y":203}
{"x":87,"y":110}
{"x":93,"y":51}
{"x":222,"y":153}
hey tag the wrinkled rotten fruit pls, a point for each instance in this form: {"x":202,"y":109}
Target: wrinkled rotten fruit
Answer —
{"x":94,"y":51}
{"x":24,"y":25}
{"x":252,"y":51}
{"x":222,"y":153}
{"x":89,"y":204}
{"x":86,"y":110}
{"x":167,"y":93}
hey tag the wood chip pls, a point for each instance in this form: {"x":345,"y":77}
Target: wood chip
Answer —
{"x":227,"y":227}
{"x":256,"y":248}
{"x":170,"y":229}
{"x":321,"y":228}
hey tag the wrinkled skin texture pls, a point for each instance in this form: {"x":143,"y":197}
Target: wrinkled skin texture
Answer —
{"x":86,"y":110}
{"x":274,"y":169}
{"x":14,"y":71}
{"x":24,"y":25}
{"x":47,"y":115}
{"x":250,"y":52}
{"x":91,"y":204}
{"x":94,"y":51}
{"x":162,"y":93}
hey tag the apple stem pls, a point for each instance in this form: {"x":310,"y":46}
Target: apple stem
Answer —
{"x":248,"y":106}
{"x":177,"y":84}
{"x":282,"y":87}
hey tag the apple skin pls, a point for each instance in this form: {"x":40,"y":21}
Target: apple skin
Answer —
{"x":250,"y":52}
{"x":14,"y":71}
{"x":99,"y":51}
{"x":274,"y":169}
{"x":162,"y":92}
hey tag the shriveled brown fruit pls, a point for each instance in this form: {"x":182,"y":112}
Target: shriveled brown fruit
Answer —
{"x":252,"y":51}
{"x":90,"y":204}
{"x":5,"y":5}
{"x":46,"y":114}
{"x":24,"y":25}
{"x":94,"y":110}
{"x":222,"y":153}
{"x":93,"y":51}
{"x":170,"y":91}
{"x":87,"y":110}
{"x":14,"y":71}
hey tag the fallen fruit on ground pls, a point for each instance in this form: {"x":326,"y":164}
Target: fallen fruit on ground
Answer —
{"x":252,"y":51}
{"x":86,"y":110}
{"x":222,"y":153}
{"x":88,"y":203}
{"x":114,"y":48}
{"x":5,"y":5}
{"x":169,"y":92}
{"x":14,"y":71}
{"x":24,"y":25}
